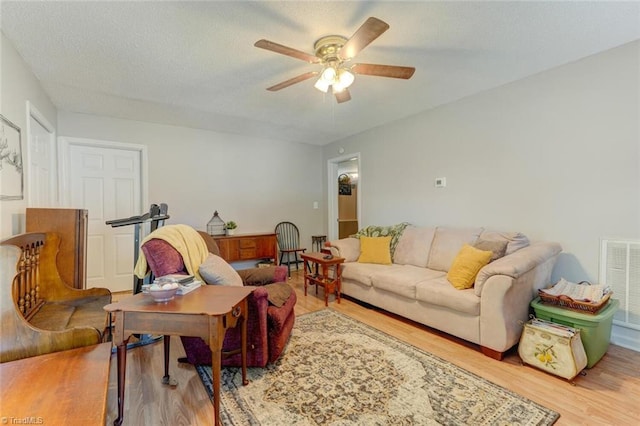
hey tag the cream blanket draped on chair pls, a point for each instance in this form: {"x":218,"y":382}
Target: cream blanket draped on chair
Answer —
{"x":185,"y":240}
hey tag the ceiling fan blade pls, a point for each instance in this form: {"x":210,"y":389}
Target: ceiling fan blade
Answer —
{"x":343,"y":96}
{"x":292,"y":81}
{"x":392,"y":71}
{"x":289,"y":51}
{"x":369,"y":31}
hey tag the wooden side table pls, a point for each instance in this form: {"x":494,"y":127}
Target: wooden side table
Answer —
{"x":206,"y":312}
{"x":323,"y":270}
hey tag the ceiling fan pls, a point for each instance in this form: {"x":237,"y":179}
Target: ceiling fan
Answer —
{"x":334,"y":52}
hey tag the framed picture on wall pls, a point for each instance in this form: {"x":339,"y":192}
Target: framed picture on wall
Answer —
{"x":11,"y":170}
{"x":344,"y":189}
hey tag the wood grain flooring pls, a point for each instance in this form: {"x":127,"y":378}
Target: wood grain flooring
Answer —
{"x":608,"y":395}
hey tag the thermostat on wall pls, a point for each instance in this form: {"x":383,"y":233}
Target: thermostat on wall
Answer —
{"x":441,"y":182}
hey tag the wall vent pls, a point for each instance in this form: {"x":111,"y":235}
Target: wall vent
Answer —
{"x":620,"y":269}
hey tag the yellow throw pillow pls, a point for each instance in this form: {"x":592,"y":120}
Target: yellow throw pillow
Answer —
{"x":466,"y":266}
{"x":375,"y":250}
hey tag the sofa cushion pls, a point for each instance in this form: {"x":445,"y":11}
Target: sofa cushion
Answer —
{"x":497,"y":248}
{"x":393,"y":231}
{"x":375,"y":250}
{"x":515,"y":240}
{"x":162,"y":258}
{"x":402,"y":279}
{"x":215,"y":270}
{"x":361,"y":272}
{"x":413,"y":246}
{"x":447,"y":242}
{"x":466,"y":265}
{"x":438,"y":291}
{"x":349,"y":248}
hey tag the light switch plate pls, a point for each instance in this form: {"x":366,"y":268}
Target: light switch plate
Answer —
{"x":441,"y":182}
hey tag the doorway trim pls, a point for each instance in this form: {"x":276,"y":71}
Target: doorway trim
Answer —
{"x":332,"y":193}
{"x":66,"y":142}
{"x":34,"y":113}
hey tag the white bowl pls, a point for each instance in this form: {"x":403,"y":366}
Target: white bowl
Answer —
{"x":163,"y":295}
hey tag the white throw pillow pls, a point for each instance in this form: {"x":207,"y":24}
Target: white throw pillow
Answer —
{"x":215,"y":270}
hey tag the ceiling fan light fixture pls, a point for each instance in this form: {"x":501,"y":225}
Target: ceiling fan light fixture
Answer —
{"x":322,"y":85}
{"x":345,"y":77}
{"x":329,"y":74}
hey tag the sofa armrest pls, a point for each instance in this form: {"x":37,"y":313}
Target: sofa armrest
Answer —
{"x":262,"y":276}
{"x":349,"y":248}
{"x":518,"y":263}
{"x":505,"y":304}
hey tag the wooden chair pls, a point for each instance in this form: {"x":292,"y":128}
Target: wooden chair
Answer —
{"x":40,"y":313}
{"x":289,"y":243}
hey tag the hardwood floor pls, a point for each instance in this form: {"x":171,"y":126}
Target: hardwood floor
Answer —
{"x":608,"y":395}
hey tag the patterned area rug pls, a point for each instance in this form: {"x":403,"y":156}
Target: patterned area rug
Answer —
{"x":339,"y":371}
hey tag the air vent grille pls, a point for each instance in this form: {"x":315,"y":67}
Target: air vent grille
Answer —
{"x":620,"y":269}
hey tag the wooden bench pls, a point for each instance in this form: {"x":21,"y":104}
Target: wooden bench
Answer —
{"x":40,"y":312}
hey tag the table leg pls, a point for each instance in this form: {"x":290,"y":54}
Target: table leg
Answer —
{"x":166,"y":379}
{"x":216,"y":338}
{"x":339,"y":279}
{"x":326,"y":285}
{"x":122,"y":369}
{"x":121,"y":345}
{"x":243,"y":351}
{"x":306,"y":280}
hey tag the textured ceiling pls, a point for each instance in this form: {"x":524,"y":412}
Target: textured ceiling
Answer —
{"x":194,"y":64}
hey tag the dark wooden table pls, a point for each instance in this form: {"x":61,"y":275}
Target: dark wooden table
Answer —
{"x":60,"y":388}
{"x":320,"y":271}
{"x":206,"y":313}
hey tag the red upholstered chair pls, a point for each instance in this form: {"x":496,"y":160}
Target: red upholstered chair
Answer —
{"x":268,"y":325}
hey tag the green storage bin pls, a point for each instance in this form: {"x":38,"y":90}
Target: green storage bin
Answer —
{"x":595,"y":329}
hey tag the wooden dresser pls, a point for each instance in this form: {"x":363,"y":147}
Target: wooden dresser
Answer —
{"x":241,"y":247}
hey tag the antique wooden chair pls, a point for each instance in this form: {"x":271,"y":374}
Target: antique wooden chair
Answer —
{"x":289,"y":244}
{"x":40,"y":312}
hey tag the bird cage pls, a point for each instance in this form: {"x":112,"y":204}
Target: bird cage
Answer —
{"x":216,"y":225}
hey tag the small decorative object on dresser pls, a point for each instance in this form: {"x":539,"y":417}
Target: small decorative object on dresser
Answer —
{"x":215,"y":226}
{"x":230,"y":227}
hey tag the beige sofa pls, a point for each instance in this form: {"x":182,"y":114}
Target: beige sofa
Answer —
{"x":415,"y":285}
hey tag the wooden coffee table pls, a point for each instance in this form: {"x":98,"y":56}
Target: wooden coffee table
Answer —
{"x":206,"y":313}
{"x":323,"y":271}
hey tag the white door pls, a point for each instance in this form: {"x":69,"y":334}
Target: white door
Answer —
{"x":107,"y":182}
{"x":43,"y":175}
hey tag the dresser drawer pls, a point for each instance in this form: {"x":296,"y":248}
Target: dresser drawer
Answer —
{"x":248,"y":244}
{"x":247,"y":253}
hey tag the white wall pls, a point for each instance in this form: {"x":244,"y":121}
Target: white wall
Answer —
{"x":254,"y":182}
{"x":555,"y":156}
{"x":17,"y":86}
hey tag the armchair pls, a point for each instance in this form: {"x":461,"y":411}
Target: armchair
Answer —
{"x":268,"y":325}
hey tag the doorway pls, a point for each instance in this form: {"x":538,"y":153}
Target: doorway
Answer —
{"x":106,"y":179}
{"x":344,"y":199}
{"x":42,"y":157}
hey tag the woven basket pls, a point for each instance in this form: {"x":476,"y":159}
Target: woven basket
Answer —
{"x":569,"y":303}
